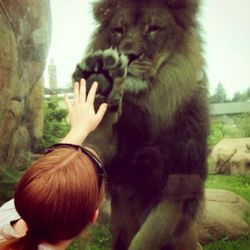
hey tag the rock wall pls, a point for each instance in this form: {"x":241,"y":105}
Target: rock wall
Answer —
{"x":25,"y":29}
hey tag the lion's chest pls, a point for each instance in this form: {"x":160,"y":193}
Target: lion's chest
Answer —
{"x":140,"y":122}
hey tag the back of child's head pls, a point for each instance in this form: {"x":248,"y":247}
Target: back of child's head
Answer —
{"x":58,"y":195}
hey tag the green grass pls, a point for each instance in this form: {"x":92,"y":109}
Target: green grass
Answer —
{"x":241,"y":186}
{"x":240,"y":244}
{"x":237,"y":184}
{"x":99,"y":236}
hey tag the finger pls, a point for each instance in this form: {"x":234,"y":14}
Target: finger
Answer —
{"x":76,"y":92}
{"x":82,"y":90}
{"x":100,"y":113}
{"x":67,"y":102}
{"x":92,"y":92}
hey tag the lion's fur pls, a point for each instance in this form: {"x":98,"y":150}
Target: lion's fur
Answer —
{"x":165,"y":122}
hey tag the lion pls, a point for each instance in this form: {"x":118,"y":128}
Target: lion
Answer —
{"x":147,"y":57}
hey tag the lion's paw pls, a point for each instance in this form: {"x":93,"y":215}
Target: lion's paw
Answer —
{"x":109,"y":69}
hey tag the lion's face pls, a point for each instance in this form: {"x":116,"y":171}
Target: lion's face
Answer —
{"x":147,"y":35}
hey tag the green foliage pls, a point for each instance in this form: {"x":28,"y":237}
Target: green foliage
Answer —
{"x":220,"y":129}
{"x":98,"y":238}
{"x":243,"y":123}
{"x":225,"y":244}
{"x":241,"y":97}
{"x":216,"y":133}
{"x":8,"y":180}
{"x":238,"y":97}
{"x":55,"y":124}
{"x":220,"y":94}
{"x":237,"y":184}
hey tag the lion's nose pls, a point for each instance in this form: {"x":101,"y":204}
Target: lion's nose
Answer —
{"x":129,"y":49}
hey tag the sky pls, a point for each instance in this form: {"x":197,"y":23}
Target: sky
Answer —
{"x":226,"y":35}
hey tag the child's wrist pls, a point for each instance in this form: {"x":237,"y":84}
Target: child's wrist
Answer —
{"x":75,"y":136}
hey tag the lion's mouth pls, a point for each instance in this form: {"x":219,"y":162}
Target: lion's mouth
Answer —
{"x":139,"y":68}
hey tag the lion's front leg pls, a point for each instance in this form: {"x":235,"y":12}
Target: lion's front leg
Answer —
{"x":169,"y":224}
{"x":158,"y":228}
{"x":109,"y":69}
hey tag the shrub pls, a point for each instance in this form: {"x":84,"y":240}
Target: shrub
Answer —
{"x":243,"y":123}
{"x":216,"y":133}
{"x":8,"y":180}
{"x":220,"y":129}
{"x":55,"y":124}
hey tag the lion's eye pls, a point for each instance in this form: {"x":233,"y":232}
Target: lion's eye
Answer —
{"x":118,"y":30}
{"x":154,"y":29}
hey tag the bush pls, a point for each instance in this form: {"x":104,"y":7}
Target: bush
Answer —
{"x":243,"y":123}
{"x":8,"y":180}
{"x":220,"y":129}
{"x":216,"y":133}
{"x":55,"y":124}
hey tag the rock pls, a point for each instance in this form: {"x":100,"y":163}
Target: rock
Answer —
{"x":223,"y":216}
{"x":25,"y":28}
{"x":232,"y":156}
{"x":19,"y":141}
{"x":35,"y":113}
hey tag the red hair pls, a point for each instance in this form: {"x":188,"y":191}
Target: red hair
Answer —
{"x":57,"y":197}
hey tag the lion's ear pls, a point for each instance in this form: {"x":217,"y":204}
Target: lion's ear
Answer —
{"x":184,"y":11}
{"x":181,"y":4}
{"x":103,"y":10}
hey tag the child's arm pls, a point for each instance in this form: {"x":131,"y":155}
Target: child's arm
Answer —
{"x":82,"y":116}
{"x":10,"y":221}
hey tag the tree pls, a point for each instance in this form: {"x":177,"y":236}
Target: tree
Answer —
{"x":220,"y":94}
{"x":241,"y":97}
{"x":238,"y":97}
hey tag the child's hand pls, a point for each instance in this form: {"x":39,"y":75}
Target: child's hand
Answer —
{"x":82,"y":116}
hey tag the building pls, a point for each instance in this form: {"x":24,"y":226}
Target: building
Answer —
{"x":52,"y":76}
{"x":229,"y":108}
